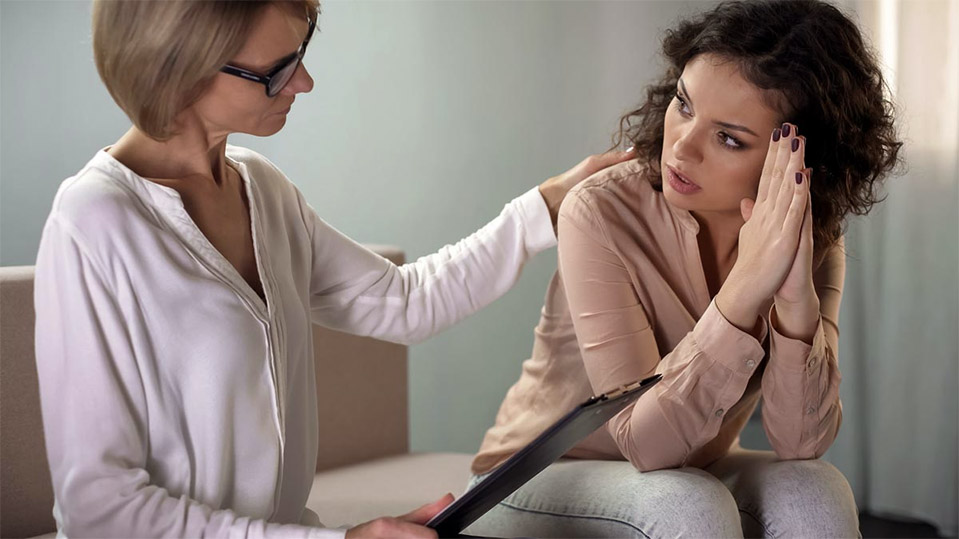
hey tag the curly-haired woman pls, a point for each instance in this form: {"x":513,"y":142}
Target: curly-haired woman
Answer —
{"x":715,"y":258}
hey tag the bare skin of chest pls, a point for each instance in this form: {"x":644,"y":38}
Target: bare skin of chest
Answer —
{"x":222,"y":214}
{"x":715,"y":269}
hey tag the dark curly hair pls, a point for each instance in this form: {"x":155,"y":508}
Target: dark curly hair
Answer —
{"x":815,"y":59}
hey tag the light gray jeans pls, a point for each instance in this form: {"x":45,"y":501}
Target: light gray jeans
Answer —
{"x":744,"y":494}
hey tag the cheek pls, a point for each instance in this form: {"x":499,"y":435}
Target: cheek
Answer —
{"x":234,"y":105}
{"x":741,"y":175}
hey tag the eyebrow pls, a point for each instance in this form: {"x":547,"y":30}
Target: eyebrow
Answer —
{"x":285,"y":57}
{"x":277,"y":63}
{"x":727,"y":125}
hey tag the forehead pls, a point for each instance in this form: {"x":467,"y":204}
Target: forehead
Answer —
{"x":276,"y":33}
{"x":717,"y":88}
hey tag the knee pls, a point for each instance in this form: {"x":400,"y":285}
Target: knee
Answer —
{"x":689,"y":502}
{"x":809,"y":498}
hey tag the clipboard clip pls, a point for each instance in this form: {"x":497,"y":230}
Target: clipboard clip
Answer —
{"x":626,"y":388}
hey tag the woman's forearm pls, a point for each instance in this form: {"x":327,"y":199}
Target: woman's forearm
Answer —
{"x":797,"y":320}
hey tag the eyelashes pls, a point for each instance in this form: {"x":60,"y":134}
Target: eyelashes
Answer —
{"x":724,"y":138}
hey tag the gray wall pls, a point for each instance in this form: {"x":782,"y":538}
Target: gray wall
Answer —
{"x":426,"y":118}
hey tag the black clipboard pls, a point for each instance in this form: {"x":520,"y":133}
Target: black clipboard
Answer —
{"x":549,"y":446}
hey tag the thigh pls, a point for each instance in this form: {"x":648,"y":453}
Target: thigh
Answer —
{"x":791,"y":498}
{"x":592,"y":498}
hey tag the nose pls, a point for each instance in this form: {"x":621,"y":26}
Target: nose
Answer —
{"x":301,"y":82}
{"x":687,"y":145}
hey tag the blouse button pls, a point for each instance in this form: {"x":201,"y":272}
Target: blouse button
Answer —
{"x":812,"y":363}
{"x":750,"y":363}
{"x":719,"y":413}
{"x":811,"y":410}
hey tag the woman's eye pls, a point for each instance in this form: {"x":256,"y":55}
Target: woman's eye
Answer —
{"x":726,"y":139}
{"x":730,"y":142}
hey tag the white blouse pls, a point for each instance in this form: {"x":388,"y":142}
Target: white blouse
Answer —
{"x":176,"y":402}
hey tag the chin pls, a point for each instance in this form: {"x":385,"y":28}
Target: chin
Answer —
{"x":268,"y":128}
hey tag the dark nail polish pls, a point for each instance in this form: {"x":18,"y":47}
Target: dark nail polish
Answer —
{"x":776,"y":134}
{"x":796,"y":131}
{"x":795,"y":144}
{"x":798,"y":178}
{"x":785,"y":130}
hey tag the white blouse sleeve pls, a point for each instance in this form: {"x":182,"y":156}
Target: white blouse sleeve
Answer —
{"x":94,"y":411}
{"x":357,"y":291}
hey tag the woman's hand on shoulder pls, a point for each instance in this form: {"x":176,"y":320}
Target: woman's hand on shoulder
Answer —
{"x":410,"y":525}
{"x":554,"y":189}
{"x":768,"y":263}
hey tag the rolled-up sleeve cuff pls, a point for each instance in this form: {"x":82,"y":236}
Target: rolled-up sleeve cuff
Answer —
{"x":794,"y":355}
{"x":726,"y":344}
{"x":328,"y":533}
{"x":537,"y":223}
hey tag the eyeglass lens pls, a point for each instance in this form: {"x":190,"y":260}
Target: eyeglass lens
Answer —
{"x":283,"y":76}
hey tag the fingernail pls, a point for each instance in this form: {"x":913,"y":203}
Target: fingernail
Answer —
{"x":785,"y":130}
{"x":795,"y":144}
{"x":796,"y":131}
{"x":776,"y":134}
{"x":798,"y":178}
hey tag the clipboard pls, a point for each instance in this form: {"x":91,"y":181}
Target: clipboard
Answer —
{"x":549,"y":446}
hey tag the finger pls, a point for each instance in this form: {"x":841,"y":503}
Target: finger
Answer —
{"x":806,"y":240}
{"x":746,"y":206}
{"x":793,"y":165}
{"x":414,"y":531}
{"x":804,"y":153}
{"x":771,"y":154}
{"x":595,"y":163}
{"x":793,"y":221}
{"x":394,"y":527}
{"x":780,"y":178}
{"x":428,"y":511}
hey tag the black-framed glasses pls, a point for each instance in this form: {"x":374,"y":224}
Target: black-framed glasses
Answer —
{"x":279,"y":76}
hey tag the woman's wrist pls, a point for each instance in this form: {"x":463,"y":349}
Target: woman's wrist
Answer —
{"x":797,"y":320}
{"x":553,"y":194}
{"x":738,"y":306}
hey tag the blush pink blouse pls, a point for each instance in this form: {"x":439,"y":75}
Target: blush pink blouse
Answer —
{"x":630,"y":299}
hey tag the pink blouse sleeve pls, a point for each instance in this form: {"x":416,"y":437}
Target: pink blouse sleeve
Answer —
{"x":703,"y":376}
{"x":801,"y":409}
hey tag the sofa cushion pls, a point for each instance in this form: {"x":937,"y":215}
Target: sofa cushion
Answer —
{"x":390,"y":486}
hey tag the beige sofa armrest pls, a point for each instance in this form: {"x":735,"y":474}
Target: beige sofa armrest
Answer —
{"x":361,"y":386}
{"x":26,"y":494}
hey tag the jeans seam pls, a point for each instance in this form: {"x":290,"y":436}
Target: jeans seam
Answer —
{"x":766,"y":530}
{"x":591,"y":517}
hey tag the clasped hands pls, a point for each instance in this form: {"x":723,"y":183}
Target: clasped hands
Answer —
{"x":776,"y":246}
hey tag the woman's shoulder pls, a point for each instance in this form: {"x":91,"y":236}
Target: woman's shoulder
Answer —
{"x":258,"y":167}
{"x":620,"y":195}
{"x":272,"y":184}
{"x":101,"y":194}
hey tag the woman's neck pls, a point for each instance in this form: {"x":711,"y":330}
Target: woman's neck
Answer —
{"x":719,"y":235}
{"x":192,"y":154}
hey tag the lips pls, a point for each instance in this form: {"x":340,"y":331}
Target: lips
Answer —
{"x":684,"y":178}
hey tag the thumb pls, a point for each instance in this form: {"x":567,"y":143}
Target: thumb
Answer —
{"x":746,"y":208}
{"x":428,"y":511}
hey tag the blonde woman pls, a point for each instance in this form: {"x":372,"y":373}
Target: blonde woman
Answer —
{"x":178,"y":276}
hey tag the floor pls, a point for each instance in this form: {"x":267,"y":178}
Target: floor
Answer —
{"x":872,"y":526}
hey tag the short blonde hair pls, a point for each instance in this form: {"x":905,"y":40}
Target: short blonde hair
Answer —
{"x":157,"y":57}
